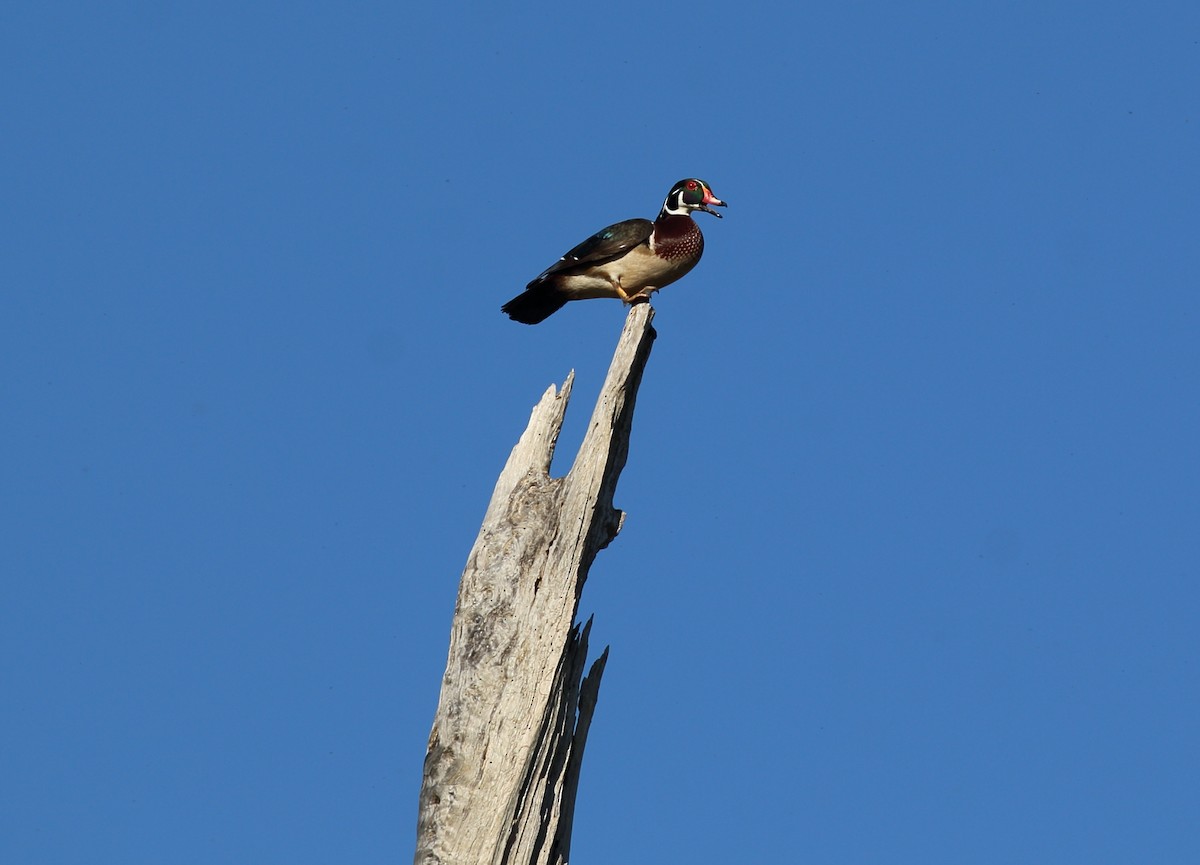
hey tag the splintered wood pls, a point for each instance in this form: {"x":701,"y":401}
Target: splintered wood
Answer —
{"x":504,"y":756}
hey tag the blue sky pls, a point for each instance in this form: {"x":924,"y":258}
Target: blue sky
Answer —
{"x":910,"y":566}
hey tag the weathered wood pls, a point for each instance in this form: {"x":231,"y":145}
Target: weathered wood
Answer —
{"x":504,"y":756}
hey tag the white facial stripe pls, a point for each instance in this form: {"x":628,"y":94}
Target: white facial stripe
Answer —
{"x":674,"y":204}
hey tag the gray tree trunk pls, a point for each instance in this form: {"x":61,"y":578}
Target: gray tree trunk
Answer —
{"x":503,"y":762}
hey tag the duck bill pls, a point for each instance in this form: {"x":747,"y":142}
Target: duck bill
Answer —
{"x":709,"y":198}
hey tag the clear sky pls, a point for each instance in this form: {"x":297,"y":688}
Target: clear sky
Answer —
{"x":910,"y":566}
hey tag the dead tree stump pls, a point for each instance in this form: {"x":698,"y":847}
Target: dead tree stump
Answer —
{"x":503,"y":762}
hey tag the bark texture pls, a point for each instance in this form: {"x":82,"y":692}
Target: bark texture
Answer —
{"x":504,"y":756}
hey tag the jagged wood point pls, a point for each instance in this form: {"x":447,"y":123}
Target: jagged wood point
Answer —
{"x":503,"y":763}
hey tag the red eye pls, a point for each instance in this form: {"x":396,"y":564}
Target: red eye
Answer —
{"x":691,"y":184}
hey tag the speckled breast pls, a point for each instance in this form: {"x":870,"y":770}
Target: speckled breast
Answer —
{"x":678,"y":239}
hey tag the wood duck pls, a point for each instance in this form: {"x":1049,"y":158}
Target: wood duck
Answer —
{"x":629,"y":260}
